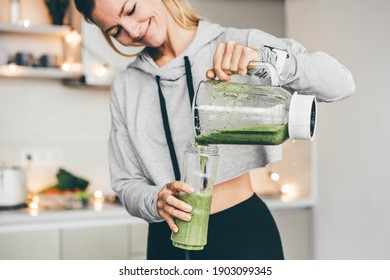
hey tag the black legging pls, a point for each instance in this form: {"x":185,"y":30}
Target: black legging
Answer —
{"x":246,"y":231}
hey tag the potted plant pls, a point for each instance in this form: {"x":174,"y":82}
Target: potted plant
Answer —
{"x":57,"y":10}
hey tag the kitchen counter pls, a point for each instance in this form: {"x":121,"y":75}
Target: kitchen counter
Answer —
{"x":26,"y":218}
{"x":107,"y":231}
{"x":105,"y":214}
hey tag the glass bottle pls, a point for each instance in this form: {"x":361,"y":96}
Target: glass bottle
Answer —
{"x":235,"y":113}
{"x":199,"y":170}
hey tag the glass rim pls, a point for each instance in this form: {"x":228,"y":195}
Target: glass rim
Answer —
{"x":210,"y":150}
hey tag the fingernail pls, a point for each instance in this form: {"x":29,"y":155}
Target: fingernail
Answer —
{"x":210,"y":75}
{"x":175,"y":230}
{"x":188,"y":218}
{"x":188,"y":208}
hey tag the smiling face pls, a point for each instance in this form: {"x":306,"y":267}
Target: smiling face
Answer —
{"x":133,"y":22}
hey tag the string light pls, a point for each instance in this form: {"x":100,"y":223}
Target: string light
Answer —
{"x":101,"y":71}
{"x":12,"y":68}
{"x":275,"y":176}
{"x":33,"y":205}
{"x":98,"y":194}
{"x":98,"y":201}
{"x":73,"y":37}
{"x":285,"y":189}
{"x":35,"y":199}
{"x":25,"y":23}
{"x":66,"y":67}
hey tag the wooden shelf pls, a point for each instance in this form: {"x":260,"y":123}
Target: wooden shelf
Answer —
{"x":37,"y":72}
{"x":56,"y":30}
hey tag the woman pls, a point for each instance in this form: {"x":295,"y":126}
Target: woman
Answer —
{"x":151,"y":119}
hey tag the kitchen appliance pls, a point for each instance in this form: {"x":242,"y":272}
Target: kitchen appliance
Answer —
{"x":236,"y":113}
{"x":13,"y":190}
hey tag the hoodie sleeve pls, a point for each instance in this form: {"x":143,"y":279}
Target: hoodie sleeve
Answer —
{"x":307,"y":73}
{"x":135,"y":192}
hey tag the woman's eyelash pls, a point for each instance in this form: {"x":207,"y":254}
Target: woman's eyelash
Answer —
{"x":117,"y":32}
{"x":132,"y":10}
{"x":119,"y":29}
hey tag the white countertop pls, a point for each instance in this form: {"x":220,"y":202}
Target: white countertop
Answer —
{"x":109,"y":214}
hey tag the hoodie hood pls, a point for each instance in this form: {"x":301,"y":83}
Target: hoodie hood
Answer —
{"x":175,"y":69}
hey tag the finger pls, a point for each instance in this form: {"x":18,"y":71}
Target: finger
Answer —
{"x":246,"y":56}
{"x":236,"y":58}
{"x":160,"y":204}
{"x":179,"y":186}
{"x":169,"y":186}
{"x":217,"y":63}
{"x":179,"y":204}
{"x":210,"y":74}
{"x":170,"y":222}
{"x":173,"y":212}
{"x":227,"y":57}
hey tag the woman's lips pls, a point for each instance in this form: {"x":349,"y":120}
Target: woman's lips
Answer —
{"x":143,"y":37}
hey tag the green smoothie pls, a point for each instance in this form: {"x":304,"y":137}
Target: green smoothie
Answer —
{"x":258,"y":135}
{"x":192,"y":235}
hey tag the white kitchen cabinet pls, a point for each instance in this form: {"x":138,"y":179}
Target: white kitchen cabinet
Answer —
{"x":80,"y":234}
{"x":113,"y":234}
{"x":138,"y":235}
{"x":295,"y":230}
{"x":95,"y":243}
{"x":36,"y":244}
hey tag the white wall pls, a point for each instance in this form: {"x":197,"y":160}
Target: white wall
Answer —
{"x":43,"y":114}
{"x":264,"y":14}
{"x":352,"y":215}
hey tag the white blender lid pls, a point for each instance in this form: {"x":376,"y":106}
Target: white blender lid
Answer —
{"x":302,"y":117}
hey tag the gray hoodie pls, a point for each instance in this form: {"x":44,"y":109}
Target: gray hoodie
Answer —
{"x":139,"y":158}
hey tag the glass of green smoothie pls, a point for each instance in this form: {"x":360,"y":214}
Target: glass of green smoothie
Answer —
{"x":199,"y":170}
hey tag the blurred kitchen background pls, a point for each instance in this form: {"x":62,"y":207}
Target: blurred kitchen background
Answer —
{"x":330,"y":198}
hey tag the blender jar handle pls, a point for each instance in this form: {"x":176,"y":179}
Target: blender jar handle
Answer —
{"x":257,"y":65}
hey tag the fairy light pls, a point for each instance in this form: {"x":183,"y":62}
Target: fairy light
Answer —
{"x":73,"y":37}
{"x":101,"y":70}
{"x":33,"y":205}
{"x":98,"y":201}
{"x":98,"y":194}
{"x":35,"y":199}
{"x":275,"y":176}
{"x":286,"y":198}
{"x":289,"y":192}
{"x":285,"y":189}
{"x":12,"y":68}
{"x":25,"y":23}
{"x":66,"y":67}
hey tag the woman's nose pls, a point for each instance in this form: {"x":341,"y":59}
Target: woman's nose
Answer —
{"x":132,"y":28}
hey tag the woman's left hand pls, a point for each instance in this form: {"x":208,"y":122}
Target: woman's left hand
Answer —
{"x":231,"y":58}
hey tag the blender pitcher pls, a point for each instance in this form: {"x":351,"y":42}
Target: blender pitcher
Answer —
{"x":236,"y":113}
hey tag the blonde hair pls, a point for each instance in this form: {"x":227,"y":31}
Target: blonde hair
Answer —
{"x":182,"y":12}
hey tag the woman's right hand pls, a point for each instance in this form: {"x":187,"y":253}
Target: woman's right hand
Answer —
{"x":170,"y":207}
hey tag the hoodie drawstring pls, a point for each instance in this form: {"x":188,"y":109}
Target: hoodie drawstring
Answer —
{"x":164,"y":115}
{"x":167,"y":130}
{"x":190,"y":83}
